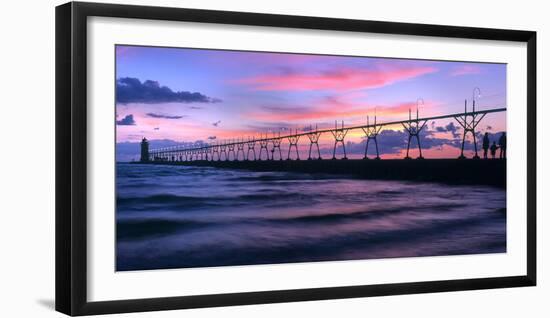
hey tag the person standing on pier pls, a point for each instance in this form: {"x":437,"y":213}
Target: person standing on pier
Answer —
{"x":494,"y":149}
{"x":502,"y":145}
{"x":486,"y":143}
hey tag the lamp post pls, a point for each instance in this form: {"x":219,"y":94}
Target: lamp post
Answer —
{"x":418,"y":102}
{"x":476,"y":89}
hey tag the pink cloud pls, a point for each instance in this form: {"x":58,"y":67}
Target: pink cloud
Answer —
{"x":340,"y":80}
{"x":465,"y":70}
{"x":333,"y":108}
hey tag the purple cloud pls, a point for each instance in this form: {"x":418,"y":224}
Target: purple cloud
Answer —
{"x":128,"y":120}
{"x":155,"y":115}
{"x":132,"y":90}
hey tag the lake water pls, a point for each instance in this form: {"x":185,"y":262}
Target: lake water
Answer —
{"x":180,"y":217}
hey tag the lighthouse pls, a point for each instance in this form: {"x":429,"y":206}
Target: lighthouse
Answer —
{"x":144,"y":150}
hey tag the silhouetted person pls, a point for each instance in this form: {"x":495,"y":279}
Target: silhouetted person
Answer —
{"x":494,"y":149}
{"x":486,"y":143}
{"x":502,"y":145}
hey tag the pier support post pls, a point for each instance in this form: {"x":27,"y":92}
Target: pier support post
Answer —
{"x":469,"y":122}
{"x":314,"y":140}
{"x":231,"y":147}
{"x":371,"y":132}
{"x":240,"y":149}
{"x":251,"y":147}
{"x":215,"y":151}
{"x":293,"y":142}
{"x":339,"y":136}
{"x":276,"y":145}
{"x":263,"y":146}
{"x":223,"y":148}
{"x":414,"y":127}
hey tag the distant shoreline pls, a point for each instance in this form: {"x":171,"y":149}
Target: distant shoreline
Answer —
{"x":491,"y":172}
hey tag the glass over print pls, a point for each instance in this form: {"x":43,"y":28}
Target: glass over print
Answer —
{"x":243,"y":158}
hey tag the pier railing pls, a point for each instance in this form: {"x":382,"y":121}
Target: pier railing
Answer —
{"x":222,"y":150}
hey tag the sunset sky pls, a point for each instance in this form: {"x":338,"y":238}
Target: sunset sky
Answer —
{"x":187,"y":95}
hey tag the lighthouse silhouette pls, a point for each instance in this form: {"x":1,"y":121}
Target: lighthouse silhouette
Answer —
{"x":144,"y":150}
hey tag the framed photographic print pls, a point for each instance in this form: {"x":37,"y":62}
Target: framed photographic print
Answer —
{"x":209,"y":158}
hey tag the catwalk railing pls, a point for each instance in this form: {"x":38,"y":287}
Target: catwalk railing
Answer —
{"x":226,"y":150}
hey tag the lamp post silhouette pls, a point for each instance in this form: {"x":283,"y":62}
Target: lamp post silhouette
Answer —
{"x":264,"y":141}
{"x":371,"y":132}
{"x":276,"y":141}
{"x":414,"y":127}
{"x":251,"y":143}
{"x":293,"y":142}
{"x":313,"y":136}
{"x":231,"y":147}
{"x":469,"y":122}
{"x":339,"y":136}
{"x":240,"y":149}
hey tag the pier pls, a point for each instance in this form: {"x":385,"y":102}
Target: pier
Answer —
{"x":491,"y":172}
{"x":263,"y":153}
{"x":413,"y":126}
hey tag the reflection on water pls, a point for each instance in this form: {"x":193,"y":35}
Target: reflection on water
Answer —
{"x":176,"y":216}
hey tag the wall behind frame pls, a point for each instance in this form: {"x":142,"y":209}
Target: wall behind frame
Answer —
{"x":27,"y":182}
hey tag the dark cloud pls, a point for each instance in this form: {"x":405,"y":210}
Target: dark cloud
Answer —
{"x":128,"y":120}
{"x":154,"y":115}
{"x":156,"y":128}
{"x":389,"y":142}
{"x":392,"y":142}
{"x":309,"y":128}
{"x":450,"y":127}
{"x":212,"y":137}
{"x":132,"y":90}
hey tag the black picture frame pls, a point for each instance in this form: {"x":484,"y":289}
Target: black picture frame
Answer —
{"x":71,"y":157}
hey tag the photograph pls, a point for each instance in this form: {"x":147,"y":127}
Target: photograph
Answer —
{"x":239,"y":158}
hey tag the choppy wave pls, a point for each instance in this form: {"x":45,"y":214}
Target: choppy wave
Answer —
{"x":178,"y":217}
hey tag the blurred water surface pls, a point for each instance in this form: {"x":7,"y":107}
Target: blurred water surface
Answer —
{"x":180,"y":217}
